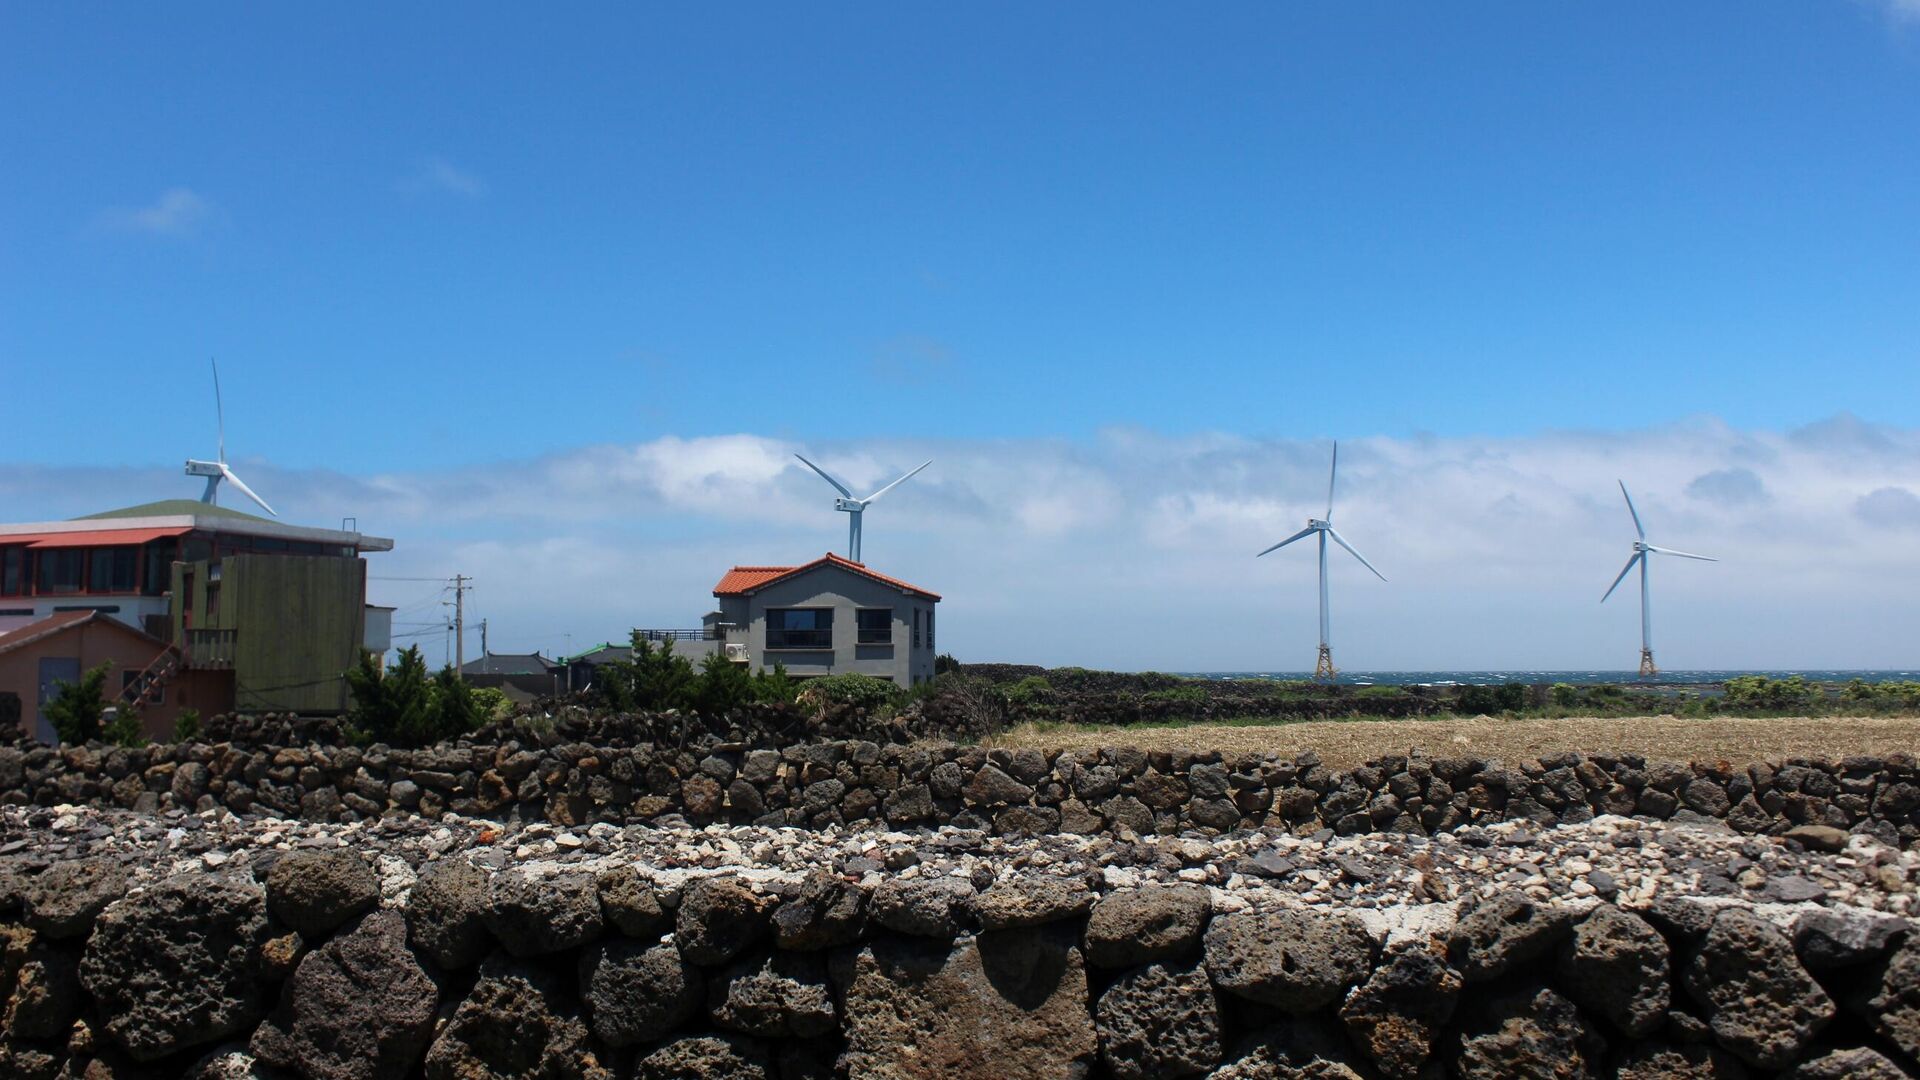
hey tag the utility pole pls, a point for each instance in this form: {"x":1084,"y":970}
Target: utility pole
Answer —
{"x":460,"y":621}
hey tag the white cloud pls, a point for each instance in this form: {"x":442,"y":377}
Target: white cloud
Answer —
{"x":177,"y":212}
{"x":1135,"y":549}
{"x":437,"y":174}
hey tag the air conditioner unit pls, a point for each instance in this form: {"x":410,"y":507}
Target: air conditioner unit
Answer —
{"x":737,"y":651}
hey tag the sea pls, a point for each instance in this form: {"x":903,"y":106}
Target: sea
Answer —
{"x":1577,"y":678}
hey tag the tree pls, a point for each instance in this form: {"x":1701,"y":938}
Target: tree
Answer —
{"x":76,"y":708}
{"x":653,"y":680}
{"x":393,"y":705}
{"x":776,"y":687}
{"x":455,"y":710}
{"x":723,"y":686}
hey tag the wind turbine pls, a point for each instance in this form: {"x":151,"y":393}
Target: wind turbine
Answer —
{"x":855,"y":507}
{"x":1323,"y":668}
{"x":1642,"y":549}
{"x":217,"y":470}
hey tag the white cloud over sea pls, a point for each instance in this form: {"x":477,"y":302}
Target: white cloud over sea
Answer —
{"x":1135,"y":549}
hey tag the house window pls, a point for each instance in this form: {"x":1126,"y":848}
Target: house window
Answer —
{"x":800,"y":628}
{"x":876,"y":625}
{"x":127,"y":678}
{"x":13,"y":571}
{"x":159,"y":567}
{"x":916,"y":628}
{"x":929,"y":628}
{"x":113,"y":569}
{"x":59,"y":571}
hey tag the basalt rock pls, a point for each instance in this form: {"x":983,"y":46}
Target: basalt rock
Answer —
{"x":63,"y":900}
{"x":1615,"y":965}
{"x":1296,"y":959}
{"x":1496,"y":934}
{"x":1159,"y":1021}
{"x":1396,"y":1015}
{"x":534,"y":916}
{"x":359,"y":1007}
{"x":1142,"y":926}
{"x":446,"y":913}
{"x":314,"y":891}
{"x":636,"y":992}
{"x":1761,"y":1004}
{"x":514,"y":1023}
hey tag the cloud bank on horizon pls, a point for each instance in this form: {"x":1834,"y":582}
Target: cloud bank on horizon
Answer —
{"x":1135,"y":549}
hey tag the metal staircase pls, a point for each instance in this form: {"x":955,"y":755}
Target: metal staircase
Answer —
{"x":143,"y":688}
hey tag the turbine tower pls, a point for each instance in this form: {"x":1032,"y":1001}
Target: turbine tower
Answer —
{"x":1323,"y":668}
{"x":853,"y":507}
{"x":1641,"y":551}
{"x":217,"y":470}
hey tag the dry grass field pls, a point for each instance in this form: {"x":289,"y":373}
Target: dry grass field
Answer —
{"x":1344,"y":743}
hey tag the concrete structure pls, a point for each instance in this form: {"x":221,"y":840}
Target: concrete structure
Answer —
{"x":35,"y":659}
{"x":281,"y":609}
{"x":831,"y":616}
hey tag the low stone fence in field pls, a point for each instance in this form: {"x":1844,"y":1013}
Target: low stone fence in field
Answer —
{"x":1116,"y":790}
{"x":323,"y":964}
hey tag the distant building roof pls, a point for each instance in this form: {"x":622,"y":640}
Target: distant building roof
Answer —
{"x":172,"y":517}
{"x":602,"y":653}
{"x":745,"y":580}
{"x":508,"y":664}
{"x":63,"y":621}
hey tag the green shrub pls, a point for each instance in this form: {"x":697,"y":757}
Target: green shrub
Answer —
{"x":125,"y":729}
{"x":775,"y":687}
{"x":859,"y":691}
{"x":1565,"y":695}
{"x":722,"y":687}
{"x":404,"y":706}
{"x":186,"y":726}
{"x":1760,"y":692}
{"x":654,"y":680}
{"x":493,"y":702}
{"x":76,"y":707}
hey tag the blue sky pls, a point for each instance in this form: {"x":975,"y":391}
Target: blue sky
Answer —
{"x":432,"y":249}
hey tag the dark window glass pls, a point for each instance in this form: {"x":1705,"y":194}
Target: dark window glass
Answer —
{"x":196,"y":549}
{"x":929,"y":628}
{"x":112,"y":569}
{"x":800,"y":628}
{"x":59,"y":570}
{"x":159,"y":567}
{"x":13,"y":572}
{"x":916,"y":628}
{"x":876,"y":625}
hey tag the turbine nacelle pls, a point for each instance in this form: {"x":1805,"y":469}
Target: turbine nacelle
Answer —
{"x":218,"y":470}
{"x":851,"y":506}
{"x":854,"y":508}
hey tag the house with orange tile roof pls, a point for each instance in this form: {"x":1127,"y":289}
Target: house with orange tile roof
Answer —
{"x":832,"y":616}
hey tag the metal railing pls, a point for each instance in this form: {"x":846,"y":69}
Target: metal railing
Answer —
{"x":799,"y":639}
{"x":876,"y":637}
{"x":211,"y":648}
{"x":717,"y":632}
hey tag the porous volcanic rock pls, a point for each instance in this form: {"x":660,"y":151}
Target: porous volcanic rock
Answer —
{"x":636,"y":992}
{"x":1615,"y":965}
{"x":1159,"y":1021}
{"x":1296,"y":1048}
{"x":777,"y":995}
{"x":1396,"y":1014}
{"x":1827,"y":940}
{"x":359,"y":1007}
{"x":537,"y":915}
{"x":719,"y":918}
{"x":1760,"y":1003}
{"x":315,"y":891}
{"x":1860,"y":1063}
{"x":937,"y":907}
{"x":1528,"y":1033}
{"x":44,"y":981}
{"x":1141,"y":926}
{"x":178,"y":964}
{"x":827,"y":911}
{"x":627,"y":901}
{"x":63,"y":900}
{"x":446,"y":913}
{"x":514,"y":1023}
{"x":1677,"y":1061}
{"x":1297,"y":959}
{"x":1498,"y":933}
{"x":1030,"y":903}
{"x":1890,"y":998}
{"x":706,"y":1057}
{"x":1007,"y":1003}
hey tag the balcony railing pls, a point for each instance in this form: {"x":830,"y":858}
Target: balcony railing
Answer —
{"x":210,"y":648}
{"x":799,"y":639}
{"x":715,"y":633}
{"x":876,"y":637}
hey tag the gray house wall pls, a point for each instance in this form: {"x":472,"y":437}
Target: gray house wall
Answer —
{"x":844,"y":592}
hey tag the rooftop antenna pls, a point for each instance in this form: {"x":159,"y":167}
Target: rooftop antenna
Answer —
{"x":1642,"y":549}
{"x":855,"y":507}
{"x":1323,"y":667}
{"x":217,"y":470}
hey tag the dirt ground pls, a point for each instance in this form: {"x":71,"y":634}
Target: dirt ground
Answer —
{"x":1346,"y":743}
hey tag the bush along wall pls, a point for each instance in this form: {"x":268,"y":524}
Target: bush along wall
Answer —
{"x":1116,"y":791}
{"x":318,"y":965}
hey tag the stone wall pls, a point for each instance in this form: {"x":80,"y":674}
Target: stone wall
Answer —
{"x":310,"y":964}
{"x":1116,"y":790}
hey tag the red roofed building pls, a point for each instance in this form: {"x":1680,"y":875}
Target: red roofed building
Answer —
{"x":831,"y":616}
{"x":35,"y":659}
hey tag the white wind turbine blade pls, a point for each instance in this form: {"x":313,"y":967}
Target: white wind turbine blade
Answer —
{"x":1331,"y":469}
{"x":1342,"y":541}
{"x":219,"y":411}
{"x":245,"y":490}
{"x":1682,"y":554}
{"x":897,"y":483}
{"x":1637,"y":556}
{"x":1308,"y":531}
{"x":837,"y":485}
{"x":1637,"y":527}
